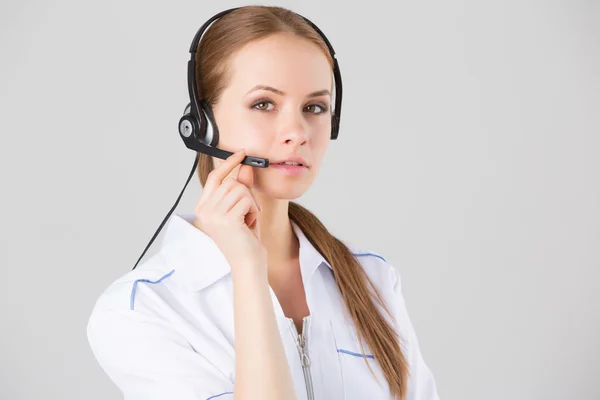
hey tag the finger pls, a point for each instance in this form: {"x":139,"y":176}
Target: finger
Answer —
{"x":253,"y":222}
{"x":217,"y":198}
{"x":234,"y":196}
{"x":217,"y":175}
{"x":246,"y":176}
{"x":234,"y":172}
{"x":244,"y":208}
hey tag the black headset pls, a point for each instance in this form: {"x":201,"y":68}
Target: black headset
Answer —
{"x":197,"y":126}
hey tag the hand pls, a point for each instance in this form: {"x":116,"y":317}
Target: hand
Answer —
{"x":227,"y":211}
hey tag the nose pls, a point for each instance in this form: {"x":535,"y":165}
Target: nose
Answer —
{"x":294,"y":128}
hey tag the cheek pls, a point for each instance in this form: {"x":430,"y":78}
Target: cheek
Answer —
{"x":240,"y":129}
{"x":319,"y":148}
{"x":322,"y":142}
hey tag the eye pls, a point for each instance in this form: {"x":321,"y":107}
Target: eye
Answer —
{"x":259,"y":105}
{"x":314,"y":108}
{"x":322,"y":107}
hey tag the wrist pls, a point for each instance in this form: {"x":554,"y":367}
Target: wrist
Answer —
{"x":249,"y":269}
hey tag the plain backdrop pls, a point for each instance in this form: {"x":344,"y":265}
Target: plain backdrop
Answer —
{"x":467,"y":157}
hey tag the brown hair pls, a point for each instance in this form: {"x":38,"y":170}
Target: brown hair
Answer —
{"x":226,"y":35}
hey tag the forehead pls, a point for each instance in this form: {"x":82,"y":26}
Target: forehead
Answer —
{"x":285,"y":61}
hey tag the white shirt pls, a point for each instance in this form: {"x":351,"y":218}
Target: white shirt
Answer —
{"x":165,"y":330}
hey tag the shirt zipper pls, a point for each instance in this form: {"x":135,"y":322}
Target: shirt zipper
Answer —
{"x":303,"y":351}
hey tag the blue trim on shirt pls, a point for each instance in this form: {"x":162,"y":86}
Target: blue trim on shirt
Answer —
{"x":147,"y":281}
{"x":355,"y":354}
{"x":369,"y":254}
{"x":218,"y":395}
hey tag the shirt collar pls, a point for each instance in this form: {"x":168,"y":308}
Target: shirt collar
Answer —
{"x":199,"y":262}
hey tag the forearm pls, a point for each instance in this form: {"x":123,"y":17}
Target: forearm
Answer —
{"x":262,"y":370}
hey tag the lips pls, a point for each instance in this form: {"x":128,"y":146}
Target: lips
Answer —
{"x":297,"y":160}
{"x":289,"y":169}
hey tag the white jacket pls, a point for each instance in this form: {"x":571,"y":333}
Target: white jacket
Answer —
{"x":165,"y":331}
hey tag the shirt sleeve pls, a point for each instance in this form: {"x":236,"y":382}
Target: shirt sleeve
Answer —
{"x":421,"y":384}
{"x":147,"y":360}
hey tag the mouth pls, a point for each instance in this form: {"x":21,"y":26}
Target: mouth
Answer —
{"x":290,"y":168}
{"x":293,"y":161}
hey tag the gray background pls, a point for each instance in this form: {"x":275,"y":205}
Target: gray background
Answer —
{"x":468,"y":157}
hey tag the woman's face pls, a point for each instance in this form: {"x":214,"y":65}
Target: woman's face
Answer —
{"x":286,"y":121}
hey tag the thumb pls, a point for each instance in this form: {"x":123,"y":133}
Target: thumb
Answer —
{"x":246,"y":177}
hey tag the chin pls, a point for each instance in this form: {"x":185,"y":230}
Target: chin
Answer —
{"x":284,"y":188}
{"x":290,"y":191}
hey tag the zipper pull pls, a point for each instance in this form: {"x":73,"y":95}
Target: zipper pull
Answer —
{"x":305,"y":360}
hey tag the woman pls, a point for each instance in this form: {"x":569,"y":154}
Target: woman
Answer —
{"x":251,"y":297}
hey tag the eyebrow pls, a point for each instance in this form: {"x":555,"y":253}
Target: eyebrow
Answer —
{"x":279,"y":92}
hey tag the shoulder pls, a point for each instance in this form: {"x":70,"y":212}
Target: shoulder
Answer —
{"x":130,"y":290}
{"x":375,"y":264}
{"x":129,"y":307}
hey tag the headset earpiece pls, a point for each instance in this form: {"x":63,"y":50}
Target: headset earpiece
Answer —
{"x":204,"y":130}
{"x":188,"y":124}
{"x":211,"y":135}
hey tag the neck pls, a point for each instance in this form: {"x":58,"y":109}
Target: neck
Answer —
{"x":277,"y":235}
